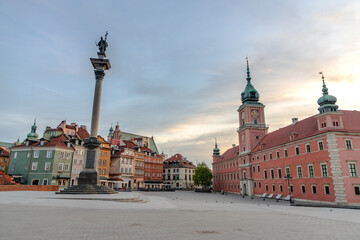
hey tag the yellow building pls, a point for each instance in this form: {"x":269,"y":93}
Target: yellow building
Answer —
{"x":4,"y":159}
{"x":104,"y":161}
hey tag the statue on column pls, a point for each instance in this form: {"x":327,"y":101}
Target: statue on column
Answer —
{"x":102,"y":44}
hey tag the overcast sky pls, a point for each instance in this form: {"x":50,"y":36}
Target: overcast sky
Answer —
{"x":178,"y":67}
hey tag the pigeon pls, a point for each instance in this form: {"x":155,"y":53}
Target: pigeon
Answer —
{"x":267,"y":204}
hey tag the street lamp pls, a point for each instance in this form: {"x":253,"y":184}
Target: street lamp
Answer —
{"x":288,"y":177}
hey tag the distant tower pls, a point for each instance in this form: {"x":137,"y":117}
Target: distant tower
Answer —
{"x":111,"y":133}
{"x":328,"y":116}
{"x":252,"y":125}
{"x":216,"y":150}
{"x":33,"y":135}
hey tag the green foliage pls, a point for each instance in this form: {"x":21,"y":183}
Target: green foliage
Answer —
{"x":5,"y":170}
{"x":203,"y":175}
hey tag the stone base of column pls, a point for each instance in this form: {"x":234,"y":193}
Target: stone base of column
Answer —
{"x":87,"y":185}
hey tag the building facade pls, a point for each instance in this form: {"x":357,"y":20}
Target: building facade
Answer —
{"x":179,"y":172}
{"x":4,"y":159}
{"x":316,"y":159}
{"x":104,"y":161}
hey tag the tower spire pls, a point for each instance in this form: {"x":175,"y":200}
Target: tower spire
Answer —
{"x":216,"y":150}
{"x":248,"y":78}
{"x":326,"y":102}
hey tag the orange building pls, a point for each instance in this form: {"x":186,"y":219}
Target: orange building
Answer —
{"x":4,"y":159}
{"x":153,"y":168}
{"x":104,"y":161}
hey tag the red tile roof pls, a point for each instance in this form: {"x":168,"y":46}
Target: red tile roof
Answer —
{"x":83,"y":133}
{"x":53,"y":142}
{"x":178,"y":157}
{"x":230,"y":153}
{"x":306,"y":128}
{"x":4,"y":153}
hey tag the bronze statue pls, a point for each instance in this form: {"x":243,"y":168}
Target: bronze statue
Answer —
{"x":102,"y":44}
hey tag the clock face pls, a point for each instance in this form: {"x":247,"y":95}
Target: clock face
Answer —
{"x":255,"y":113}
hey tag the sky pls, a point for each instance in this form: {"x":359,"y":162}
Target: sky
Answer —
{"x":178,"y":67}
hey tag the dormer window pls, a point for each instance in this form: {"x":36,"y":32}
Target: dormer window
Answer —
{"x":335,"y":124}
{"x":27,"y":143}
{"x":42,"y":143}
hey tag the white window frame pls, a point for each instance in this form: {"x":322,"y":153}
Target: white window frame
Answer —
{"x":66,"y":167}
{"x":306,"y":148}
{"x":322,"y":145}
{"x":351,"y":145}
{"x":312,"y":190}
{"x":34,"y":166}
{"x":62,"y":155}
{"x":301,"y":187}
{"x":47,"y":181}
{"x":356,"y":172}
{"x":36,"y":153}
{"x":326,"y":185}
{"x":297,"y":171}
{"x":49,"y":154}
{"x":61,"y":167}
{"x":68,"y":155}
{"x":313,"y":171}
{"x":15,"y":155}
{"x":321,"y":169}
{"x":47,"y":164}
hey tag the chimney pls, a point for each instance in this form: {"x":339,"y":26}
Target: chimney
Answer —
{"x":83,"y":127}
{"x":294,"y":120}
{"x":233,"y":145}
{"x":47,"y":128}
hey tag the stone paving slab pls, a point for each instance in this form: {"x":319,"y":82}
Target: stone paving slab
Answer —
{"x":177,"y":215}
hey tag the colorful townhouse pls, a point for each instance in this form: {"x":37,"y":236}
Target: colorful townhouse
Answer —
{"x":4,"y":159}
{"x":77,"y":135}
{"x":316,"y":159}
{"x":179,"y":172}
{"x":42,"y":161}
{"x":104,"y":161}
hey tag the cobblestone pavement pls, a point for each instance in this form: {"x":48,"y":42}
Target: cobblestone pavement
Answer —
{"x":169,"y":215}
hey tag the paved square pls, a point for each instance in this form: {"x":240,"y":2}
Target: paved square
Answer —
{"x":168,"y":215}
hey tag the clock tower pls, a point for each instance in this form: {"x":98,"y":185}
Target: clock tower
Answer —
{"x":252,"y":125}
{"x":252,"y":129}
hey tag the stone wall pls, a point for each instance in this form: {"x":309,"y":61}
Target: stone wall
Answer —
{"x":29,"y":188}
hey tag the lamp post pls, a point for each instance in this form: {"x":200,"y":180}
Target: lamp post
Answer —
{"x":288,"y":177}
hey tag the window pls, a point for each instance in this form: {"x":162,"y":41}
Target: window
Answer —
{"x":266,"y":187}
{"x":348,"y":144}
{"x":66,"y":167}
{"x":253,"y":168}
{"x":34,"y":166}
{"x":297,"y":150}
{"x":81,"y":162}
{"x":258,"y":168}
{"x":273,"y":187}
{"x":285,"y":152}
{"x":303,"y":188}
{"x":321,"y":146}
{"x":74,"y":171}
{"x":357,"y":190}
{"x":100,"y":153}
{"x":352,"y":170}
{"x":287,"y":171}
{"x":36,"y":153}
{"x":272,"y":173}
{"x":45,"y":182}
{"x":291,"y":188}
{"x":104,"y":162}
{"x":15,"y":155}
{"x":47,"y":166}
{"x":103,"y":172}
{"x":264,"y":157}
{"x":68,"y":155}
{"x":277,"y":154}
{"x":28,"y":155}
{"x":105,"y":154}
{"x":313,"y":188}
{"x":299,"y":171}
{"x":62,"y":154}
{"x":265,"y":174}
{"x":324,"y":170}
{"x":311,"y":171}
{"x":280,"y":187}
{"x":279,"y":172}
{"x":270,"y":156}
{"x":308,"y":149}
{"x":48,"y":154}
{"x":244,"y":174}
{"x":61,"y":166}
{"x":259,"y":184}
{"x":327,"y":189}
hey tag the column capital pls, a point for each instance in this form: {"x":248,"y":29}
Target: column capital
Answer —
{"x":99,"y":74}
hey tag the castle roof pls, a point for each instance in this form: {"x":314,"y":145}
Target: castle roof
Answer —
{"x":306,"y":128}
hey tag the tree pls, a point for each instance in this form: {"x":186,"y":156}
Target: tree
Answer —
{"x":203,"y":175}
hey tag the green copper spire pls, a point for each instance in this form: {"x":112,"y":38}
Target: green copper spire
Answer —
{"x":249,"y":95}
{"x":216,"y":150}
{"x":111,"y":131}
{"x":33,"y":135}
{"x":326,"y":102}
